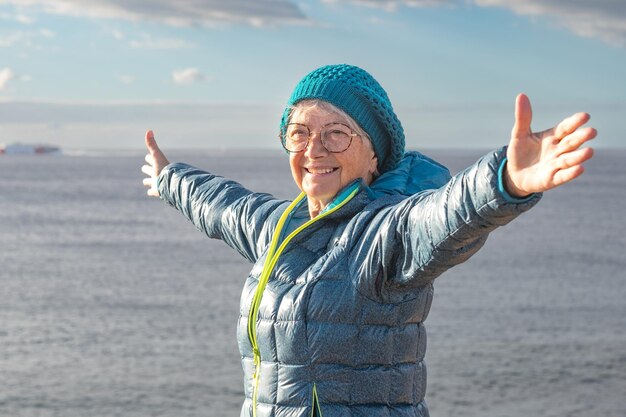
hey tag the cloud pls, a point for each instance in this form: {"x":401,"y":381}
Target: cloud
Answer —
{"x":603,"y":19}
{"x":175,"y":13}
{"x":47,"y":33}
{"x":26,"y":20}
{"x":118,"y":34}
{"x":11,"y":39}
{"x":393,"y":5}
{"x":24,"y":37}
{"x":126,"y":79}
{"x":148,"y":42}
{"x":6,"y":75}
{"x":188,"y":76}
{"x":196,"y":124}
{"x":121,"y":125}
{"x":20,"y":18}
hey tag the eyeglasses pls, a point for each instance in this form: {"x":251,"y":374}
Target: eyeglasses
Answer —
{"x":335,"y":137}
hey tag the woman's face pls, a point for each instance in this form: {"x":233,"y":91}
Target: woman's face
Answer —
{"x":322,"y":174}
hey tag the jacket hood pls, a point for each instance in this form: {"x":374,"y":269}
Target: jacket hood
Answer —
{"x":415,"y":173}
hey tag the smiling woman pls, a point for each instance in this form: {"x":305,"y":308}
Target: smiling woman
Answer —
{"x":331,"y":315}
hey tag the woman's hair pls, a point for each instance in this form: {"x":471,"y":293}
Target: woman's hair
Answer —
{"x":309,"y":104}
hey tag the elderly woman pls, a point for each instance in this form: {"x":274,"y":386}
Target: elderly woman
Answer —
{"x":331,"y":318}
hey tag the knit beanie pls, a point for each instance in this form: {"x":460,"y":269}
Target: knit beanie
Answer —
{"x":357,"y":93}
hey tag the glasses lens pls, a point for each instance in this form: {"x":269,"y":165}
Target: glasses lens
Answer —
{"x":336,"y":137}
{"x":296,"y":137}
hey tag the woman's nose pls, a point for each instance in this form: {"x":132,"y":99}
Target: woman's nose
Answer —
{"x":316,"y":149}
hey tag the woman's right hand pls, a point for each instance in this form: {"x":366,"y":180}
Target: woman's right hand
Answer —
{"x":156,"y":161}
{"x":540,"y":161}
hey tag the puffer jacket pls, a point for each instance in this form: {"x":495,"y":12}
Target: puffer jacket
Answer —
{"x":331,"y":317}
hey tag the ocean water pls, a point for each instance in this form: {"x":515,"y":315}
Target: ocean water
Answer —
{"x":111,"y":304}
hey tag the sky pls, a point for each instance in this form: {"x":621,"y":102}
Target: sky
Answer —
{"x":213,"y":74}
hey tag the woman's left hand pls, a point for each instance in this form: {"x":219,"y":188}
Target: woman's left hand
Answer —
{"x":155,"y":162}
{"x":540,"y":161}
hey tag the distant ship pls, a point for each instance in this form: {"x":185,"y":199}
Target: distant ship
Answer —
{"x":28,"y":149}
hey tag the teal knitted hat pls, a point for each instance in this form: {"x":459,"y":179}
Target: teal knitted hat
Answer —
{"x":357,"y":93}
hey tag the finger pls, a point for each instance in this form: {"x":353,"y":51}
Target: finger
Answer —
{"x":566,"y":175}
{"x":581,"y":155}
{"x":150,"y":141}
{"x":148,"y":182}
{"x":571,"y":159}
{"x":576,"y":139}
{"x":153,"y":192}
{"x":570,"y":124}
{"x":523,"y":116}
{"x":148,"y":170}
{"x":152,"y":146}
{"x":149,"y":159}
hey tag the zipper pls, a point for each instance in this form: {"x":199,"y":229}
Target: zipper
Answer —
{"x":273,"y":253}
{"x":316,"y":411}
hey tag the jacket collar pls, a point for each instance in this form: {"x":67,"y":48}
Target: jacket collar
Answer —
{"x":415,"y":173}
{"x":351,"y":208}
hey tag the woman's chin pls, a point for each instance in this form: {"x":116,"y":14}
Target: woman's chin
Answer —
{"x":320,"y":192}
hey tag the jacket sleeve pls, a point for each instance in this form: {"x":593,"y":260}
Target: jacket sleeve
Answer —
{"x":413,"y":242}
{"x":221,"y":208}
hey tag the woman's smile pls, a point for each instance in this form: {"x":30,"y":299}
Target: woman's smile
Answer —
{"x":320,"y":171}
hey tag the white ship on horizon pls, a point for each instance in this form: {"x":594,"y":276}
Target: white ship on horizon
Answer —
{"x":28,"y":149}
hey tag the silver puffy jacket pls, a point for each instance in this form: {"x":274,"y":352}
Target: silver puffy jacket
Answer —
{"x":331,"y":319}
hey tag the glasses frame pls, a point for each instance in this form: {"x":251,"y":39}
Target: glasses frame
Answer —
{"x":282,"y":136}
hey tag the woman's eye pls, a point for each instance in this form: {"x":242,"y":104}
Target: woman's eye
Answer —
{"x":337,"y":134}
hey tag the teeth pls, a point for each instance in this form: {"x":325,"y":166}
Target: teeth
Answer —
{"x":321,"y":171}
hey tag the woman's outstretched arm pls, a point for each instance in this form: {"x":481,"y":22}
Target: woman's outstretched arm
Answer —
{"x":220,"y":208}
{"x":431,"y":232}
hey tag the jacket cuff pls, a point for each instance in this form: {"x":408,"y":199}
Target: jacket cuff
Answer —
{"x":504,"y":193}
{"x":161,"y":177}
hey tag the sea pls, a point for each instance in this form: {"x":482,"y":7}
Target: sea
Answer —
{"x":112,"y":304}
